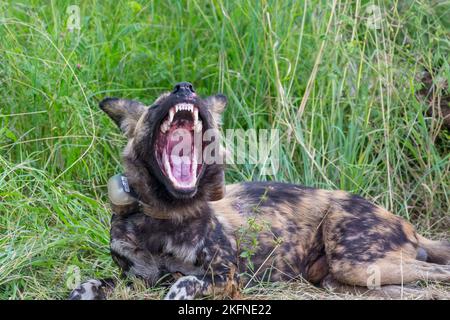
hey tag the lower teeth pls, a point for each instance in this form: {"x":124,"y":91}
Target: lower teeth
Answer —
{"x":165,"y":126}
{"x":198,"y":126}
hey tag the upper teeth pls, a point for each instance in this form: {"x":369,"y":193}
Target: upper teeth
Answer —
{"x":184,"y":106}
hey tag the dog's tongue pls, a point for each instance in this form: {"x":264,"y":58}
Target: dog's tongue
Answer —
{"x":179,"y":147}
{"x":181,"y":167}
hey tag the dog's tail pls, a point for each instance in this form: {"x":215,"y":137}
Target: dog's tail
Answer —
{"x":436,"y":251}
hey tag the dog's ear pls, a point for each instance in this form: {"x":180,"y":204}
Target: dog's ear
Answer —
{"x":216,"y":105}
{"x":125,"y":113}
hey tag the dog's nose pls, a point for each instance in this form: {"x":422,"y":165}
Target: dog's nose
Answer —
{"x":184,"y":88}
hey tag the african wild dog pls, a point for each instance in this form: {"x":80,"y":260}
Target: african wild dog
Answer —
{"x":178,"y":218}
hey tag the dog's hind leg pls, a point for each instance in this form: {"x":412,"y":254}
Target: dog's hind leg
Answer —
{"x":389,"y":270}
{"x":395,"y":292}
{"x":365,"y":245}
{"x":436,"y":251}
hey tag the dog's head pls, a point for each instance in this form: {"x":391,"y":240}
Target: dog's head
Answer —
{"x":167,"y":140}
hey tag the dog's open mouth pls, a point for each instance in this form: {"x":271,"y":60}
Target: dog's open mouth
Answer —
{"x":178,"y":145}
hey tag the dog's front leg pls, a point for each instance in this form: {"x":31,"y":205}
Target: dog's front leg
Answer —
{"x":220,"y":276}
{"x":186,"y":288}
{"x":191,"y":287}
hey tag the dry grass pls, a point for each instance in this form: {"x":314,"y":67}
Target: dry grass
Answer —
{"x":296,"y":290}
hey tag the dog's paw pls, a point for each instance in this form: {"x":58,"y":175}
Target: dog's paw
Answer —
{"x":185,"y":288}
{"x":89,"y":290}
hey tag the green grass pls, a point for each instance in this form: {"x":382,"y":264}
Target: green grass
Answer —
{"x":341,"y":93}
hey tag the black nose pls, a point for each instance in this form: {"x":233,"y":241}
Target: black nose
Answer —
{"x":183,"y":88}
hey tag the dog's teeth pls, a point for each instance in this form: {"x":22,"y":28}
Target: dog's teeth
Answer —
{"x":184,"y":107}
{"x":194,"y":165}
{"x":171,"y":114}
{"x":166,"y":164}
{"x":198,"y":126}
{"x":195,"y":116}
{"x":164,"y":127}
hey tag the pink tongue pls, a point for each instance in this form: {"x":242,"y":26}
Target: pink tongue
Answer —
{"x":181,"y":167}
{"x":179,"y":150}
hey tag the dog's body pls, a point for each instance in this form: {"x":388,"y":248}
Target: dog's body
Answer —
{"x":222,"y":238}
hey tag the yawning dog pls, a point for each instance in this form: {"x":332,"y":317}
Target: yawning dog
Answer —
{"x":172,"y":214}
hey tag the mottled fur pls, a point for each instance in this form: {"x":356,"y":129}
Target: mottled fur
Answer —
{"x":330,"y":238}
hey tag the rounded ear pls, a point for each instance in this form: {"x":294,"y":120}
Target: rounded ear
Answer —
{"x":217,"y":103}
{"x":125,"y":113}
